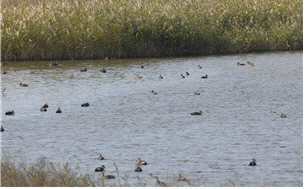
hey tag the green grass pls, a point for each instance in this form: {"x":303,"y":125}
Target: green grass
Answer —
{"x":90,"y":29}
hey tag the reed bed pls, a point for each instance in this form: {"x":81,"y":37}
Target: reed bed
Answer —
{"x":92,"y":29}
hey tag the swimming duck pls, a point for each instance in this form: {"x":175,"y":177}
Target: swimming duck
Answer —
{"x":138,"y":169}
{"x":272,"y":112}
{"x":4,"y":63}
{"x":103,"y":70}
{"x":2,"y":129}
{"x":3,"y":72}
{"x":195,"y":93}
{"x":10,"y":112}
{"x":106,"y":176}
{"x":141,"y":162}
{"x":205,"y":76}
{"x":252,"y":163}
{"x":283,"y":115}
{"x":196,"y":113}
{"x":23,"y":85}
{"x":13,"y":70}
{"x":42,"y":109}
{"x":250,"y":64}
{"x":45,"y":105}
{"x":153,"y":92}
{"x":100,"y":169}
{"x":141,"y":66}
{"x":182,"y":77}
{"x":181,"y":178}
{"x":85,"y":104}
{"x":85,"y":70}
{"x":53,"y":64}
{"x":240,"y":64}
{"x":199,"y":67}
{"x":139,"y":77}
{"x":58,"y":110}
{"x":160,"y":77}
{"x":187,"y":74}
{"x":101,"y":157}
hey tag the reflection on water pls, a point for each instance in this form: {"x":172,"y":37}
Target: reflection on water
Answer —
{"x":125,"y":121}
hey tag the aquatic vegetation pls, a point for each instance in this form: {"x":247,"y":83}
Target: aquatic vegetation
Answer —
{"x":66,"y":29}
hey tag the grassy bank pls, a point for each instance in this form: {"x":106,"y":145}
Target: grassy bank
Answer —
{"x":41,"y":174}
{"x":67,"y":29}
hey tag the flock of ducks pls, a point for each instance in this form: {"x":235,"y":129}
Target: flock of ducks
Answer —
{"x":139,"y":161}
{"x":102,"y":169}
{"x":182,"y":77}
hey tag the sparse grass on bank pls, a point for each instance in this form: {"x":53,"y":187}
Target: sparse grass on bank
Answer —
{"x":67,"y":29}
{"x":41,"y":174}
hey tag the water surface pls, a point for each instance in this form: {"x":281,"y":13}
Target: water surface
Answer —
{"x":125,"y":121}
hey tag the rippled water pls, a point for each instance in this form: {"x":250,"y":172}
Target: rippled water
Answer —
{"x":125,"y":121}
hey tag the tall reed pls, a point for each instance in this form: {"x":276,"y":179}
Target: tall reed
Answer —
{"x":67,"y":29}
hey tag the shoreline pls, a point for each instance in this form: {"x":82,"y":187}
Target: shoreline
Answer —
{"x":184,"y":56}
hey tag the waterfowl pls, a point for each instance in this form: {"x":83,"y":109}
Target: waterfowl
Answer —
{"x":283,"y":115}
{"x":139,"y":77}
{"x":10,"y":112}
{"x":53,"y":64}
{"x":240,"y":64}
{"x":85,"y":104}
{"x":4,"y":63}
{"x":141,"y":162}
{"x":205,"y":76}
{"x":195,"y":93}
{"x":252,"y":163}
{"x":13,"y":70}
{"x":103,"y":70}
{"x":2,"y":129}
{"x":199,"y":67}
{"x":106,"y":176}
{"x":45,"y":105}
{"x":182,"y":77}
{"x":141,"y":66}
{"x":106,"y":58}
{"x":42,"y":109}
{"x":85,"y":70}
{"x":160,"y":77}
{"x":100,"y":169}
{"x":181,"y":178}
{"x":23,"y":85}
{"x":101,"y":157}
{"x":272,"y":112}
{"x":187,"y":73}
{"x":153,"y":92}
{"x":196,"y":113}
{"x":138,"y":169}
{"x":58,"y":110}
{"x":3,"y":72}
{"x":3,"y":89}
{"x":250,"y":64}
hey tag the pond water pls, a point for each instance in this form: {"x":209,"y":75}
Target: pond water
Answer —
{"x":125,"y":121}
